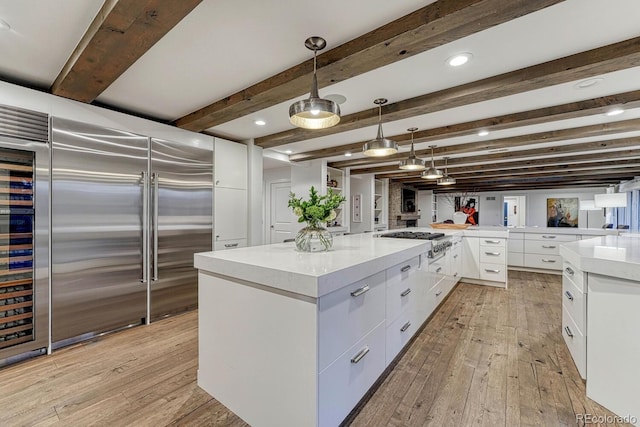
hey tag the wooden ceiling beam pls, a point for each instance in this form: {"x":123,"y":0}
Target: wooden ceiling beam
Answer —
{"x":506,"y":144}
{"x":538,"y":183}
{"x":606,"y":59}
{"x":121,"y":32}
{"x":434,"y":25}
{"x":521,"y":186}
{"x":481,"y":164}
{"x":568,"y":111}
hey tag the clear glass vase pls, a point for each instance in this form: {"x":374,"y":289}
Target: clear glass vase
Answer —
{"x":314,"y":238}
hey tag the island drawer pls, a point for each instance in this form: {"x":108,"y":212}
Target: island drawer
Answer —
{"x":575,"y":274}
{"x":403,"y":287}
{"x":400,"y":332}
{"x":575,"y":302}
{"x":345,"y":381}
{"x":489,"y":241}
{"x":550,"y":237}
{"x":348,"y":314}
{"x":222,"y":245}
{"x":548,"y":262}
{"x":542,"y":247}
{"x":576,"y":342}
{"x":437,"y":270}
{"x":493,"y":272}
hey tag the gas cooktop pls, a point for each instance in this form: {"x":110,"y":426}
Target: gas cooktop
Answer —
{"x":413,"y":235}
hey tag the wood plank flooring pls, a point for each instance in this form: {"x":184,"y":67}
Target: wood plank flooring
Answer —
{"x":488,"y":357}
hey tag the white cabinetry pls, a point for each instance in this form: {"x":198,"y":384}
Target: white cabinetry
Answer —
{"x":543,"y":250}
{"x":229,"y":195}
{"x":336,"y":181}
{"x":471,"y":257}
{"x":574,"y":314}
{"x":484,"y":260}
{"x":380,"y":204}
{"x":515,"y":249}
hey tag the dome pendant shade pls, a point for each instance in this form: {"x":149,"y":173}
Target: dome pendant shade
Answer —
{"x":446,"y":179}
{"x":314,"y":112}
{"x":380,"y":146}
{"x":432,"y":172}
{"x":412,"y":163}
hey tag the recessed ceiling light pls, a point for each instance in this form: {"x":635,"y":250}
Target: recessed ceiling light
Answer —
{"x":4,"y":25}
{"x":483,"y":132}
{"x":588,"y":83}
{"x":459,"y":59}
{"x":615,"y":111}
{"x":260,"y":122}
{"x":288,"y":152}
{"x":347,"y":154}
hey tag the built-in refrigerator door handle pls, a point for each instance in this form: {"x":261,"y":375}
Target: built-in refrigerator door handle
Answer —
{"x":155,"y":177}
{"x":145,"y":224}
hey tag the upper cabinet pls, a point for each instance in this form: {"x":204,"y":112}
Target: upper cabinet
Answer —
{"x":230,"y":164}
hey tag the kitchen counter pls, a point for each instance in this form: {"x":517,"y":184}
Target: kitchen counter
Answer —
{"x":615,"y":256}
{"x":565,"y":230}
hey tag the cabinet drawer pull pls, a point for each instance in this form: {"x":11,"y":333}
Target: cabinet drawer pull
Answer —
{"x":548,"y":237}
{"x":405,"y":326}
{"x":568,"y":294}
{"x":405,"y":268}
{"x":568,"y":331}
{"x":492,"y":253}
{"x":406,"y":292}
{"x":230,"y":245}
{"x":438,"y":270}
{"x":455,"y":274}
{"x":358,"y":357}
{"x":360,"y":291}
{"x":455,"y":256}
{"x":438,"y":293}
{"x":548,"y":247}
{"x":489,"y":270}
{"x":548,"y":260}
{"x":493,"y":242}
{"x":569,"y":270}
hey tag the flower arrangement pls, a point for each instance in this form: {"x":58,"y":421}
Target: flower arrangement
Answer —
{"x":318,"y":209}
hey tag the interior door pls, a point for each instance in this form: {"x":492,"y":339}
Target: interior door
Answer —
{"x":98,"y":182}
{"x":181,"y":222}
{"x":283,"y":221}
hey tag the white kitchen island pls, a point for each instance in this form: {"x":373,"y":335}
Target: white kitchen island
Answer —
{"x":296,"y":339}
{"x":601,"y":318}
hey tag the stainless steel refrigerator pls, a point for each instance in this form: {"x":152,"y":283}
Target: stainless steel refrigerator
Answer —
{"x":128,"y":212}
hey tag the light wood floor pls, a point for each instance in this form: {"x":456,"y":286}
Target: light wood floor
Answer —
{"x":489,"y":357}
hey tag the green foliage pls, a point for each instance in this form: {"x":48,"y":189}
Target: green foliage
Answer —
{"x":318,"y":208}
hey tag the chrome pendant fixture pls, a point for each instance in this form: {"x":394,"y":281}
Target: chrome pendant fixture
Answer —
{"x":446,"y":179}
{"x":314,"y":112}
{"x":412,"y":163}
{"x":380,"y":146}
{"x":432,"y":172}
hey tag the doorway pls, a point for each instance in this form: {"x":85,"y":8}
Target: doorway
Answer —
{"x":513,"y":211}
{"x":281,"y":220}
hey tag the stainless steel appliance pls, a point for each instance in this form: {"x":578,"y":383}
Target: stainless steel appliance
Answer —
{"x":439,"y":241}
{"x":128,"y":212}
{"x":24,"y":234}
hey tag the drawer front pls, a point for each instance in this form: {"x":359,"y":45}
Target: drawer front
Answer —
{"x":487,"y":241}
{"x":493,"y":272}
{"x":542,"y":247}
{"x":515,"y":245}
{"x":402,"y":288}
{"x":575,"y":341}
{"x":399,"y":333}
{"x":438,"y":269}
{"x":348,"y":314}
{"x":575,"y":303}
{"x":550,"y":237}
{"x":492,"y":255}
{"x":516,"y":259}
{"x":455,"y":263}
{"x":549,"y":262}
{"x":575,"y":274}
{"x":221,"y":245}
{"x":345,"y":381}
{"x":440,"y":291}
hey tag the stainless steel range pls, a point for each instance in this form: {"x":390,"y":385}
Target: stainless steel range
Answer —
{"x":439,"y":241}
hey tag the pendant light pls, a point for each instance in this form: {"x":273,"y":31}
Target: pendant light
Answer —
{"x":412,"y":163}
{"x":380,"y":146}
{"x":446,"y":179}
{"x":314,"y":112}
{"x":432,"y":172}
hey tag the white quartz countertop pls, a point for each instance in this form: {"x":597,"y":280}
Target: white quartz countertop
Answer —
{"x":281,"y":266}
{"x":616,"y":256}
{"x":565,"y":230}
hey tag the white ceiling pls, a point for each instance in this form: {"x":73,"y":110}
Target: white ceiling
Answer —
{"x":224,"y":46}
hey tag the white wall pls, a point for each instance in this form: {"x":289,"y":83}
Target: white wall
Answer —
{"x":362,"y":184}
{"x":490,"y":211}
{"x":424,"y":207}
{"x":255,"y":194}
